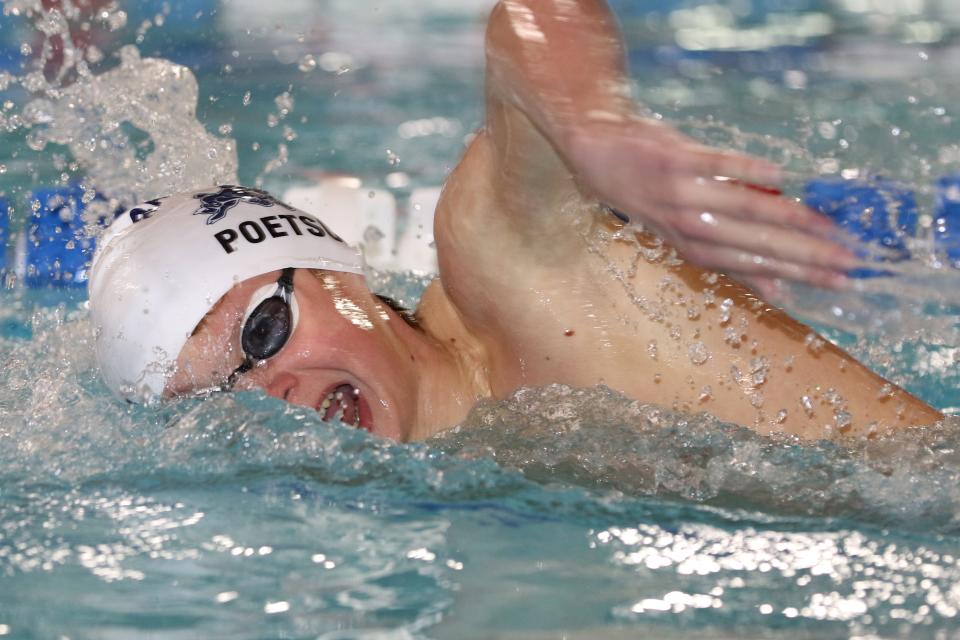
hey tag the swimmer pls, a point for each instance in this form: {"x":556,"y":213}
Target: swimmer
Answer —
{"x":540,"y":282}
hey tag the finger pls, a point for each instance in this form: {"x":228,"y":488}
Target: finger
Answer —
{"x":745,"y":265}
{"x":740,"y":201}
{"x":770,"y":289}
{"x":780,"y":243}
{"x":705,"y":161}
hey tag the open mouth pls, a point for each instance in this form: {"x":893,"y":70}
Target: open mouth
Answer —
{"x":345,"y":403}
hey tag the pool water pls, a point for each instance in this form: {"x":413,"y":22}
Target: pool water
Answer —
{"x":558,"y":513}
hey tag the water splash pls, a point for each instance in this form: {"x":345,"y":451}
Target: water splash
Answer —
{"x":598,"y":438}
{"x":134,"y":130}
{"x":131,"y":130}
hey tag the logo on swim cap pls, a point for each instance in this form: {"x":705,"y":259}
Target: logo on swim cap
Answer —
{"x":144,"y":210}
{"x":216,"y":205}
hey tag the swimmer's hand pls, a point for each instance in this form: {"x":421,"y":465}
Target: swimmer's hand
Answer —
{"x":718,"y":209}
{"x":562,"y":66}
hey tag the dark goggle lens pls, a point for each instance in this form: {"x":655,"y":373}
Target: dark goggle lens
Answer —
{"x":267,"y":329}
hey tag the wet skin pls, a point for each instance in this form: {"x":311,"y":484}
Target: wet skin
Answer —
{"x":344,"y":336}
{"x":539,"y":284}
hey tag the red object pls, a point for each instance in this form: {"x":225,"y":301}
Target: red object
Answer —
{"x":756,"y":187}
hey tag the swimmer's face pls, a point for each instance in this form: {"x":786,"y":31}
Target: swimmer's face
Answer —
{"x":346,"y":356}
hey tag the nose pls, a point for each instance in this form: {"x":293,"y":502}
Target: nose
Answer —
{"x":281,"y":384}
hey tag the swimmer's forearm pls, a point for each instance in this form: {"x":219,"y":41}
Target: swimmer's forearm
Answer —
{"x":560,"y":63}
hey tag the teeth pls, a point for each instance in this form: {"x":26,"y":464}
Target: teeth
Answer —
{"x":337,"y":400}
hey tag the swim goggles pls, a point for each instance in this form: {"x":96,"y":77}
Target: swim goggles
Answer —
{"x":267,"y":328}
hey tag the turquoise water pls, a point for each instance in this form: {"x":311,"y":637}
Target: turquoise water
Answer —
{"x":556,"y":513}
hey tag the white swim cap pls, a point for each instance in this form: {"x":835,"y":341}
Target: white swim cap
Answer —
{"x":161,"y":266}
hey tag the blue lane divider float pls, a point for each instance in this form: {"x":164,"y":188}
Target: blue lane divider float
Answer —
{"x":877,"y":211}
{"x":55,"y":249}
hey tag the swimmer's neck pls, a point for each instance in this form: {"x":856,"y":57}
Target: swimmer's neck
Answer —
{"x":452,"y":359}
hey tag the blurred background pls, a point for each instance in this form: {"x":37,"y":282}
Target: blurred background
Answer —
{"x":356,"y":71}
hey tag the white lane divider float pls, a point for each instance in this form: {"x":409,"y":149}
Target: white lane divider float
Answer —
{"x":391,"y":240}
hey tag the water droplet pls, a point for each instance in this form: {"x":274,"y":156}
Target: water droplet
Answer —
{"x":117,"y":20}
{"x":372,"y":235}
{"x":759,"y":368}
{"x":813,"y":342}
{"x":827,"y":130}
{"x":832,"y":397}
{"x":781,"y":416}
{"x":307,"y":63}
{"x":698,"y":353}
{"x":807,"y":405}
{"x":725,"y":308}
{"x":94,"y":55}
{"x":732,"y":337}
{"x":843,"y":420}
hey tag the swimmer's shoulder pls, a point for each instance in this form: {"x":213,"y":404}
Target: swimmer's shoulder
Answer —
{"x":488,"y":209}
{"x":490,"y":262}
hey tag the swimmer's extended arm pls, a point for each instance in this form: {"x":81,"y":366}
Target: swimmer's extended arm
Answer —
{"x":558,"y":106}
